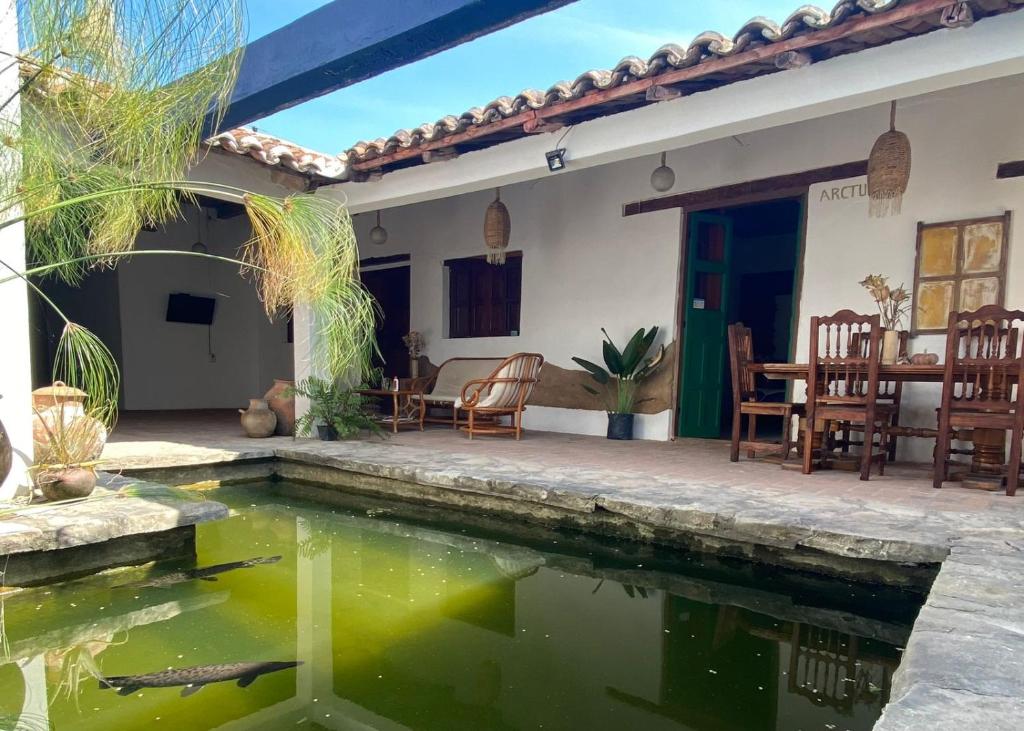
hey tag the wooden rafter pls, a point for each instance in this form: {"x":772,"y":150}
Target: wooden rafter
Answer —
{"x":791,"y":182}
{"x":902,"y":14}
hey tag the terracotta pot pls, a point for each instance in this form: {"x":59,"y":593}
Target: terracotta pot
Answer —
{"x":6,"y":453}
{"x":925,"y":358}
{"x":283,"y":406}
{"x":258,"y":420}
{"x":67,"y":484}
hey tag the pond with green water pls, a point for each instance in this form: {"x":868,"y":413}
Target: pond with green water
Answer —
{"x":396,"y":617}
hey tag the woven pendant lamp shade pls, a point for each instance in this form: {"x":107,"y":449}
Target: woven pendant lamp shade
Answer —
{"x":497,"y":226}
{"x":888,"y":170}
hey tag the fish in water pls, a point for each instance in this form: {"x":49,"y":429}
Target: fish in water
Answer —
{"x":208,"y":573}
{"x":196,"y":677}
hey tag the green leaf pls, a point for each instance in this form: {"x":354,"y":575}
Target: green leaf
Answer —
{"x":612,"y":357}
{"x":652,"y":334}
{"x":633,"y":354}
{"x":591,"y":389}
{"x":598,"y":373}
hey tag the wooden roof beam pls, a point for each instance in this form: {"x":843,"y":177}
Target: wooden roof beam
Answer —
{"x":903,"y":13}
{"x":789,"y":183}
{"x":346,"y":41}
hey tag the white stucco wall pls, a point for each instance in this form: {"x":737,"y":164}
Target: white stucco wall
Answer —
{"x":15,"y":363}
{"x":584,"y":267}
{"x":167,"y":365}
{"x":587,"y":266}
{"x":958,"y":137}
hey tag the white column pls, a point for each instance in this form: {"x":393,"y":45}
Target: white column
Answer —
{"x":35,"y":711}
{"x":303,"y":337}
{"x":15,"y":357}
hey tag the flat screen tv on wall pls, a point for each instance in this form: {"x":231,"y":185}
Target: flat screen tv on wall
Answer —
{"x":190,"y":309}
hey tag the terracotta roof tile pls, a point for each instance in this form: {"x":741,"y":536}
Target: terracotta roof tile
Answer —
{"x":276,"y":152}
{"x":707,"y":46}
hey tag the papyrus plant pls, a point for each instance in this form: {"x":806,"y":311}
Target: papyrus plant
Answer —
{"x":113,"y":95}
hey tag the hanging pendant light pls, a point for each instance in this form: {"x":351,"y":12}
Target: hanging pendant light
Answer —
{"x":888,"y":170}
{"x":663,"y":177}
{"x":199,"y":247}
{"x":497,"y":227}
{"x":378,"y":234}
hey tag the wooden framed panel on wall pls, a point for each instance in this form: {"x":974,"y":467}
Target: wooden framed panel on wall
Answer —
{"x":960,"y":265}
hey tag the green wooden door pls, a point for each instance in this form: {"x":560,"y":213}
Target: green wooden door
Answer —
{"x":702,"y":366}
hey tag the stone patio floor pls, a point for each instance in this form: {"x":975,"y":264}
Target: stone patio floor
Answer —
{"x":962,"y":664}
{"x":188,"y":437}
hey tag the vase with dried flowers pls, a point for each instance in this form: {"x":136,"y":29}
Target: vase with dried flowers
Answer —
{"x":893,"y":306}
{"x":415,"y":343}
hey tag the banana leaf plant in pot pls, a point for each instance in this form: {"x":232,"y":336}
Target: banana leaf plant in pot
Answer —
{"x":624,"y":370}
{"x":337,"y":412}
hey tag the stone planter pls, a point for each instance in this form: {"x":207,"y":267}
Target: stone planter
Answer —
{"x":258,"y":420}
{"x":282,"y":403}
{"x":620,"y":426}
{"x":67,"y":484}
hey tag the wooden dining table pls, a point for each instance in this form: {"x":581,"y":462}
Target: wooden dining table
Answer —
{"x":989,"y":455}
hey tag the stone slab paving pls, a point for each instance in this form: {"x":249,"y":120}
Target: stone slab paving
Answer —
{"x":964,"y":660}
{"x":91,"y":521}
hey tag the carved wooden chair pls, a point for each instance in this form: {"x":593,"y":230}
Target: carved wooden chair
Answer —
{"x":503,"y":393}
{"x":890,"y":392}
{"x":980,"y":385}
{"x":842,"y":387}
{"x":746,"y":403}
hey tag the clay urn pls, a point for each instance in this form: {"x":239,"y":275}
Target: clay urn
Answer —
{"x":55,"y":394}
{"x":6,"y":453}
{"x":75,"y":481}
{"x":281,"y":401}
{"x":258,"y":420}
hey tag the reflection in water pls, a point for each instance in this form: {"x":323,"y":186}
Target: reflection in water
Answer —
{"x":407,"y":624}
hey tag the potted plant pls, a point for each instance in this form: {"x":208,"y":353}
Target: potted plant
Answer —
{"x":893,"y":305}
{"x":624,"y":371}
{"x":65,"y":458}
{"x":335,"y":411}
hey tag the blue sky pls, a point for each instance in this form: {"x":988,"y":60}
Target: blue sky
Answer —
{"x":536,"y":53}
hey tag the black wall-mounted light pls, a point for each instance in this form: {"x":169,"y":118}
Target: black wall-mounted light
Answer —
{"x":556,"y":159}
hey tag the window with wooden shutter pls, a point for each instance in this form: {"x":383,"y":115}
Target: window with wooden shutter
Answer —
{"x":484,"y":299}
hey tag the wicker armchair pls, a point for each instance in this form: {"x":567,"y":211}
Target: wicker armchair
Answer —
{"x":503,"y":393}
{"x":441,"y":390}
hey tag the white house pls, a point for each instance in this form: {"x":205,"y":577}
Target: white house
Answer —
{"x":777,"y":154}
{"x":767,"y":133}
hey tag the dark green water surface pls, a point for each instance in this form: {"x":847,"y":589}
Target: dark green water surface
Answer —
{"x":404,"y":618}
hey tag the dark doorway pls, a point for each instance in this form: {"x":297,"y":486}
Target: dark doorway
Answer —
{"x":390,"y":287}
{"x":741,"y":265}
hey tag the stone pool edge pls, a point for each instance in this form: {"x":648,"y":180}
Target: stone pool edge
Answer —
{"x":965,"y":651}
{"x":42,"y":544}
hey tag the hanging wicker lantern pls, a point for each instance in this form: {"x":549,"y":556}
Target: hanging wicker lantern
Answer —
{"x":888,"y":170}
{"x":497,"y":226}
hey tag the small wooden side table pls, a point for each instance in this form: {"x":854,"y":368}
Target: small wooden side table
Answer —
{"x":404,"y":412}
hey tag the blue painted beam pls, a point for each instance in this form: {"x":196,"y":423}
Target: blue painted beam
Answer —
{"x":347,"y":41}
